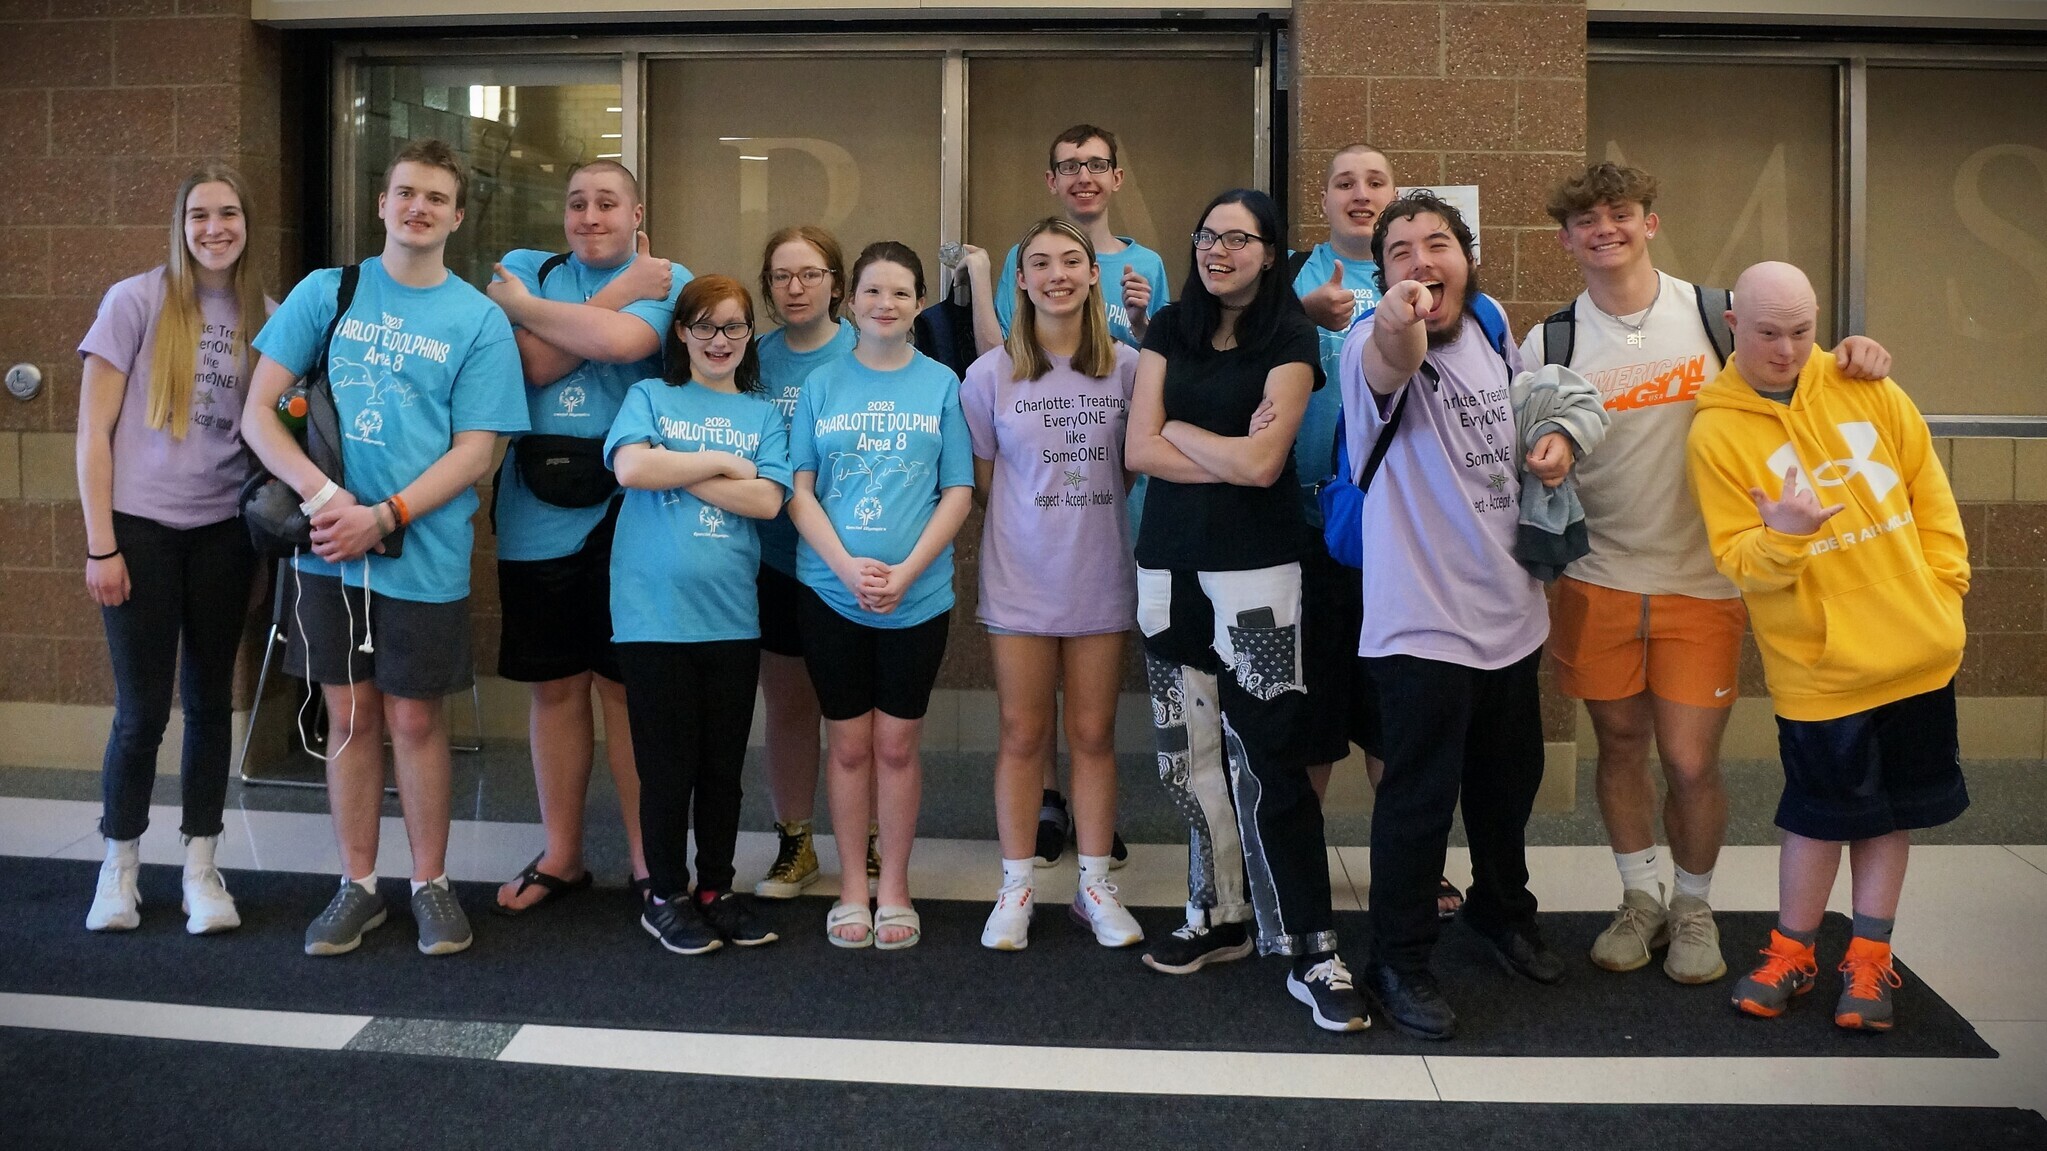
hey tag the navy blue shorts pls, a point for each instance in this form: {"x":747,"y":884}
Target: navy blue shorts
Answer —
{"x":1891,"y":768}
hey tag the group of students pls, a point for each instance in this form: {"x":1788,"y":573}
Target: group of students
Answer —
{"x":692,"y":506}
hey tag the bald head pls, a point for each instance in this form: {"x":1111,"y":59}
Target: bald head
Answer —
{"x":1775,"y":320}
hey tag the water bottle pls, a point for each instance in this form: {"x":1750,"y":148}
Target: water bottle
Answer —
{"x":292,"y":407}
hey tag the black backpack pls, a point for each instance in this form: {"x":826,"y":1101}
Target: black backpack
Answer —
{"x":1560,"y":328}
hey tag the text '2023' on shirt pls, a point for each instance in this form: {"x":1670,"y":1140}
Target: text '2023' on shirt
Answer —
{"x":682,"y":570}
{"x":1315,"y":444}
{"x":582,"y":404}
{"x":1222,"y":526}
{"x":180,"y":483}
{"x":1440,"y":578}
{"x":410,"y":368}
{"x":782,"y":374}
{"x":883,"y":446}
{"x":1055,"y":556}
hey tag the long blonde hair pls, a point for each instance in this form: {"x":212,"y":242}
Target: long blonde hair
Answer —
{"x":1096,"y":356}
{"x":174,"y":357}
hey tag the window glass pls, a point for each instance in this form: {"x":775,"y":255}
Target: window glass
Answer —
{"x":1183,"y":126}
{"x":519,"y":127}
{"x":1958,"y":235}
{"x":1746,"y":156}
{"x":739,"y":148}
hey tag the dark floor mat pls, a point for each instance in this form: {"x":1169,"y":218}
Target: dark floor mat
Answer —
{"x":72,"y":1090}
{"x":586,"y":962}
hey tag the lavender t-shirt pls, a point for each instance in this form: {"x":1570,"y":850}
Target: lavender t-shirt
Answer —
{"x":1055,"y":549}
{"x":1440,"y":578}
{"x":184,"y":483}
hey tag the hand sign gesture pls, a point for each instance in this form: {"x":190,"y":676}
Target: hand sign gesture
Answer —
{"x":1798,"y":513}
{"x":1330,"y":305}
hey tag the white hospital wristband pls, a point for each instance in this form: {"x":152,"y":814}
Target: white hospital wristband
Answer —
{"x":319,"y":500}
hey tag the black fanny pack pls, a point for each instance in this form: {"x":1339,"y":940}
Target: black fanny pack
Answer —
{"x":566,"y":471}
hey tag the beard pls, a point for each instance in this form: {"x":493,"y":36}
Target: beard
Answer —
{"x":1455,"y":327}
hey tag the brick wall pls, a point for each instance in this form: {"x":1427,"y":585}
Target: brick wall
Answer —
{"x":104,"y":105}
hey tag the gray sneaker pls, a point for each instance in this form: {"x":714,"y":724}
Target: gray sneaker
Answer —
{"x":1640,"y":926}
{"x":339,"y":929}
{"x":1694,"y":955}
{"x":443,"y":929}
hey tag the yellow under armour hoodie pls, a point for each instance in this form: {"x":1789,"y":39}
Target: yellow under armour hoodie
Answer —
{"x":1868,"y":609}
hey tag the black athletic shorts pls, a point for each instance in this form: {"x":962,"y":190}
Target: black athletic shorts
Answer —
{"x":857,"y":669}
{"x":1345,"y":709}
{"x":781,"y":617}
{"x":555,"y":619}
{"x":420,"y":650}
{"x":1891,"y":768}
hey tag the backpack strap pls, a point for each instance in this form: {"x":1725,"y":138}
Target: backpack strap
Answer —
{"x":1560,"y":335}
{"x":344,"y":295}
{"x":1295,"y":261}
{"x":1385,"y":441}
{"x":548,"y":266}
{"x":1714,"y":304}
{"x":1492,"y":320}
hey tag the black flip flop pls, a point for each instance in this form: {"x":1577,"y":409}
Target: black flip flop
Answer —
{"x":555,"y":886}
{"x":1445,"y":887}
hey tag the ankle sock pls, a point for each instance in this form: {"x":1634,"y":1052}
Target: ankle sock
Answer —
{"x":1015,"y":871}
{"x":1695,"y":886}
{"x":1803,"y":938}
{"x":1638,"y":870}
{"x":1873,"y":929}
{"x":438,"y":881}
{"x":1093,"y":865}
{"x":369,"y":883}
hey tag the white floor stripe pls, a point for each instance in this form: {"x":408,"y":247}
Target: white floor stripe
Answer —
{"x":180,"y":1021}
{"x":1224,"y":1073}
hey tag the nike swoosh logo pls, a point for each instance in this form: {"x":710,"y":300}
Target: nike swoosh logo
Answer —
{"x":1721,"y":692}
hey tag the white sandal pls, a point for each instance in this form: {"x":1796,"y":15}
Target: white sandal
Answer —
{"x":849,"y":915}
{"x":894,"y":916}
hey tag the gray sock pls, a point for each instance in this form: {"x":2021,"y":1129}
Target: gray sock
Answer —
{"x":1802,"y":937}
{"x":1871,"y":928}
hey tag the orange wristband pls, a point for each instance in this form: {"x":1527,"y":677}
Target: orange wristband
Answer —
{"x":398,"y":506}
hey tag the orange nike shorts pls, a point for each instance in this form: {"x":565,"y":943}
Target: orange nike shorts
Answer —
{"x":1612,"y":644}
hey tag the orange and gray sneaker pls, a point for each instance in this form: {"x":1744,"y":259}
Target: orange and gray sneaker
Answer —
{"x":1788,"y":969}
{"x":1867,"y":981}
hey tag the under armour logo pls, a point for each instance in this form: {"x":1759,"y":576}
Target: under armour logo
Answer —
{"x":1861,"y":437}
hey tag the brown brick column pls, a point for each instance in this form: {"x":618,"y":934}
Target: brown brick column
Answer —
{"x":104,"y":105}
{"x":1455,"y":93}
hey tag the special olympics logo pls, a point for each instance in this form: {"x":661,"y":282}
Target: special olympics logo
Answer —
{"x":867,"y":511}
{"x":573,"y":397}
{"x":368,"y":423}
{"x":712,"y":518}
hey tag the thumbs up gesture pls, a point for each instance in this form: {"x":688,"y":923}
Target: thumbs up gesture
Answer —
{"x":1136,"y":302}
{"x":648,"y":277}
{"x":1331,"y":305}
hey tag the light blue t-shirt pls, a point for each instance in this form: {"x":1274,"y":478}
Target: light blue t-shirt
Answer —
{"x":782,"y":373}
{"x":582,"y":403}
{"x":1315,"y":443}
{"x":682,"y":570}
{"x":882,"y":445}
{"x":410,"y":368}
{"x":1133,"y":255}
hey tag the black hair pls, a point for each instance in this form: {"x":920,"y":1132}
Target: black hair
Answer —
{"x":1201,"y":313}
{"x":1414,"y":204}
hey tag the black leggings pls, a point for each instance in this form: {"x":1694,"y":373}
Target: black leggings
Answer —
{"x":188,"y":587}
{"x":691,"y":707}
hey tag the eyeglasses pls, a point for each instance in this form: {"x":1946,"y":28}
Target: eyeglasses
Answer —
{"x":1232,"y":240}
{"x":811,"y":277}
{"x":736,"y":330}
{"x":1096,"y":165}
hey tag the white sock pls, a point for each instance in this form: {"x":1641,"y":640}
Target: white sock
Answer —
{"x":1017,"y":872}
{"x":438,"y":880}
{"x":1695,"y":886}
{"x":1638,"y":870}
{"x":199,"y":853}
{"x":124,"y":852}
{"x":367,"y":883}
{"x":1092,"y":867}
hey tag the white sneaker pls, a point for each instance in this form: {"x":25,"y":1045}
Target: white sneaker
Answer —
{"x":116,"y":904}
{"x":1096,"y":907}
{"x":1009,"y":925}
{"x":208,"y":907}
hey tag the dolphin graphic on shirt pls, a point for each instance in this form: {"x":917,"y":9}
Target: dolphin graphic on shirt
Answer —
{"x":346,"y":373}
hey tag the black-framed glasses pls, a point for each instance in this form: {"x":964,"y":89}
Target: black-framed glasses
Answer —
{"x":736,"y":330}
{"x":1232,"y":240}
{"x":811,"y":277}
{"x":1096,"y":165}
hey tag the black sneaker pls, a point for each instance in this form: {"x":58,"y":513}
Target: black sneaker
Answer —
{"x":1412,"y":1000}
{"x":1325,"y":987}
{"x":1055,"y":825}
{"x":1524,"y":953}
{"x":1197,"y":945}
{"x":1119,"y":853}
{"x":731,"y":916}
{"x":678,"y":926}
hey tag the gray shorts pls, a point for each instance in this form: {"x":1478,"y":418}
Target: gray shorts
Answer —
{"x":422,"y":649}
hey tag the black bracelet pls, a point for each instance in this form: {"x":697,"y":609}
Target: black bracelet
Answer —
{"x":108,"y":556}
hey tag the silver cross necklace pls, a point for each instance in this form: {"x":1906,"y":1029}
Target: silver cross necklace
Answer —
{"x":1635,"y":336}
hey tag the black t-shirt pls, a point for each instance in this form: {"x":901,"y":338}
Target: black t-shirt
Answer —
{"x":1224,"y":527}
